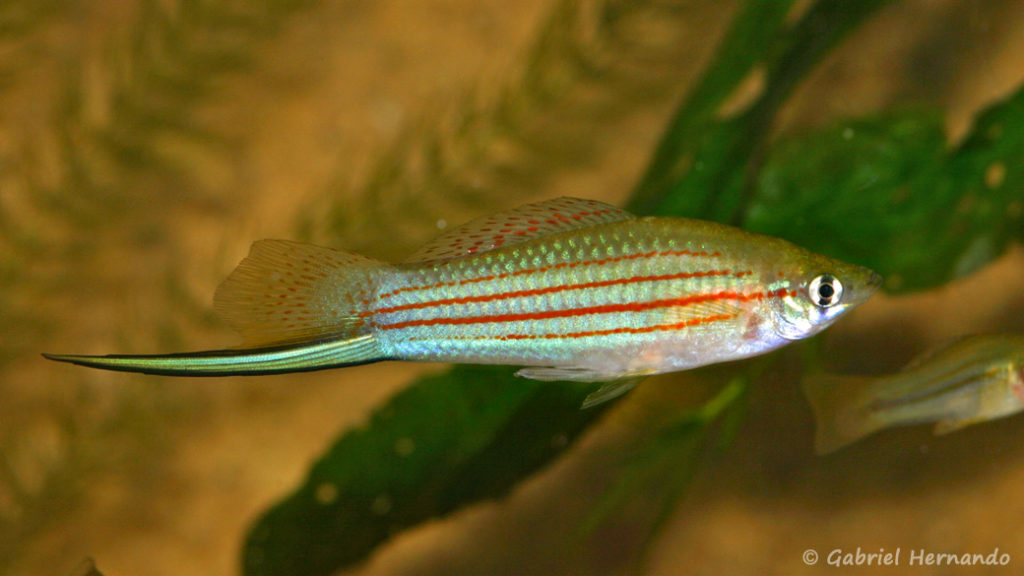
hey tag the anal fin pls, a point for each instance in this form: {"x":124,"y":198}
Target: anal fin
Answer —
{"x":576,"y":374}
{"x":616,"y":383}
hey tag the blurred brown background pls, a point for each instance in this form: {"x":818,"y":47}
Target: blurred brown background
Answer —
{"x":145,"y":144}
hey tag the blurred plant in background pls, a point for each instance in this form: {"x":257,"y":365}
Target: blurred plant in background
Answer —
{"x":881,"y":191}
{"x":148,"y":112}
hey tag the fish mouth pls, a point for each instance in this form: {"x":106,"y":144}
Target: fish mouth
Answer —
{"x":865,"y":290}
{"x":871,"y":285}
{"x":875,"y":281}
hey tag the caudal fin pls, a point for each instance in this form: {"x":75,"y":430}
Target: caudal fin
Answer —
{"x":841,"y":406}
{"x":298,"y":307}
{"x":286,"y":292}
{"x":243,"y":362}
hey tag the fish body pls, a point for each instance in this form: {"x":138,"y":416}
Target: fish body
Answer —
{"x":639,"y":296}
{"x":971,"y":380}
{"x":571,"y":289}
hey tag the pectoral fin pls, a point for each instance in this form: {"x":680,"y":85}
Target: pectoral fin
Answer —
{"x":610,"y":391}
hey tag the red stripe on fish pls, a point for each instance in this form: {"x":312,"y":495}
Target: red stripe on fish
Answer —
{"x":556,"y":289}
{"x":603,"y":309}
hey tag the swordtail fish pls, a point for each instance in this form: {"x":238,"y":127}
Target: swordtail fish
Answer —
{"x":970,"y":380}
{"x":568,"y":289}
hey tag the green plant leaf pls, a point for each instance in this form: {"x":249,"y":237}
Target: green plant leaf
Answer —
{"x":472,"y":433}
{"x":890,"y":182}
{"x":986,"y":168}
{"x":670,"y":453}
{"x":847,"y":189}
{"x":703,"y":165}
{"x":464,"y":435}
{"x":750,"y":37}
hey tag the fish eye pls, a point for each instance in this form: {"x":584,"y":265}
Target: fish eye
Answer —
{"x":825,"y":291}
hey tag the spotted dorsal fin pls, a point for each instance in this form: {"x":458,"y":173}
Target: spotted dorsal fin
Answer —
{"x":518,"y":225}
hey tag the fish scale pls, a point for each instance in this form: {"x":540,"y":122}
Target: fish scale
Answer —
{"x":571,"y":289}
{"x":613,"y":291}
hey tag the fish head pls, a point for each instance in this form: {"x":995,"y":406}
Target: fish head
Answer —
{"x":810,"y":292}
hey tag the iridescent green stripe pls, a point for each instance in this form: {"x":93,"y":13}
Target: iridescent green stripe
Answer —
{"x":295,"y":358}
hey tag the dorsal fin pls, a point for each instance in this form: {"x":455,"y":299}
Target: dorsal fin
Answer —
{"x":518,"y":225}
{"x":288,"y":292}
